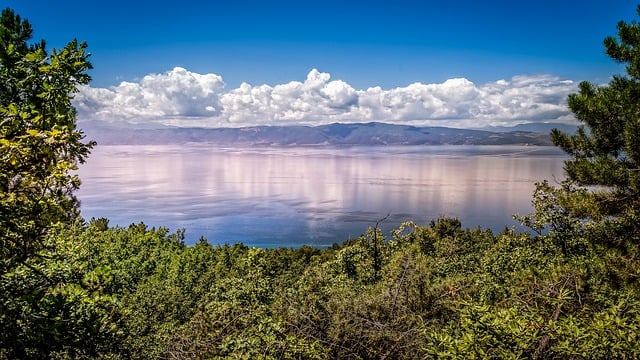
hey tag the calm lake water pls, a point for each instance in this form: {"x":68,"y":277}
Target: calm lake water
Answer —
{"x":269,"y":197}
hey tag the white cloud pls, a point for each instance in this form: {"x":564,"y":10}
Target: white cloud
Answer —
{"x":314,"y":101}
{"x":183,"y":98}
{"x":161,"y":98}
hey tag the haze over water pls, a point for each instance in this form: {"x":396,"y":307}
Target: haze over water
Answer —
{"x":269,"y":197}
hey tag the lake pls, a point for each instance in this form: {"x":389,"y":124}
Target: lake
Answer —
{"x":270,"y":197}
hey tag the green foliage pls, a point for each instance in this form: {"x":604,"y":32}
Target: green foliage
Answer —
{"x":54,"y":305}
{"x":39,"y":143}
{"x":441,"y":291}
{"x":605,"y":151}
{"x":46,"y":308}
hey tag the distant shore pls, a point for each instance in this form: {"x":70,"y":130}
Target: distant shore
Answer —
{"x":337,"y":134}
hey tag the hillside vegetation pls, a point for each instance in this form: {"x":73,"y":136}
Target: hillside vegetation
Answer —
{"x":434,"y":291}
{"x":77,"y":289}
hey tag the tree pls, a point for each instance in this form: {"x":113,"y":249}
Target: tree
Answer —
{"x":39,"y":142}
{"x":593,"y":218}
{"x":45,"y":309}
{"x":605,"y":150}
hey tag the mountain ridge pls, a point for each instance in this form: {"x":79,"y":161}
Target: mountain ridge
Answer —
{"x":337,"y":134}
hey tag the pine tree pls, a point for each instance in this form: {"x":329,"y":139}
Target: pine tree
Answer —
{"x":605,"y":151}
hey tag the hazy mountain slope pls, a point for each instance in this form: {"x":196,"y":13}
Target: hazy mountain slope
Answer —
{"x":332,"y":134}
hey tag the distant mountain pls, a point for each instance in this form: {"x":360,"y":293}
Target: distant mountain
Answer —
{"x":535,"y":127}
{"x":333,"y":134}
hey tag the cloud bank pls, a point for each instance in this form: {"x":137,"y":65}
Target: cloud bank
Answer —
{"x":183,"y":98}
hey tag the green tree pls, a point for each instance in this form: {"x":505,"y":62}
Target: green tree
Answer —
{"x":593,"y":219}
{"x":39,"y":142}
{"x":45,"y":308}
{"x":605,"y":150}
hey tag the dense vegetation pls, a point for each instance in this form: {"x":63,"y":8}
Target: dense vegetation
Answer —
{"x":76,"y":289}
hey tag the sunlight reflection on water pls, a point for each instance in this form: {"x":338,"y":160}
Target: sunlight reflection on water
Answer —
{"x":271,"y":197}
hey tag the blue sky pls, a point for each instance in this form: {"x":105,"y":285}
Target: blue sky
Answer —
{"x":363,"y":44}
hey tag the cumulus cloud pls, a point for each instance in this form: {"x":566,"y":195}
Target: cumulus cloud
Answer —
{"x":163,"y":98}
{"x":314,"y":101}
{"x":183,"y":98}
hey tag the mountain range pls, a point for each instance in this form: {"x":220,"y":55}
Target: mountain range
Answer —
{"x":337,"y":134}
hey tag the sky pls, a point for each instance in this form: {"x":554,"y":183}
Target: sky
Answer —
{"x":243,"y":63}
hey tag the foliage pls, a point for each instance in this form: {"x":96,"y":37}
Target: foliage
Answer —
{"x":605,"y":151}
{"x":441,"y":292}
{"x":45,"y":309}
{"x":39,"y":143}
{"x":54,"y":305}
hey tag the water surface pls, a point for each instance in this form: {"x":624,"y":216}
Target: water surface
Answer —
{"x":271,"y":197}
